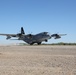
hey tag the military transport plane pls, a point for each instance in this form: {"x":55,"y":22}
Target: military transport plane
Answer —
{"x":31,"y":39}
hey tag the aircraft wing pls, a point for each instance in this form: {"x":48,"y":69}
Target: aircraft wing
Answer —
{"x":12,"y":35}
{"x":57,"y":36}
{"x":62,"y":34}
{"x":9,"y":35}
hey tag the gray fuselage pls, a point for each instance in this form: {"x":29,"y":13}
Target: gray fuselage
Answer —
{"x":38,"y":38}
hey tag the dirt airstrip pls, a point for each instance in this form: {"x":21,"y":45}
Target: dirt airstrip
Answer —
{"x":38,"y":60}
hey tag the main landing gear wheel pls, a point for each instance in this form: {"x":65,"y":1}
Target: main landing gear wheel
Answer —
{"x":39,"y":43}
{"x":31,"y":43}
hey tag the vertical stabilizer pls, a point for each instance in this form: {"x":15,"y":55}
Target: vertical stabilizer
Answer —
{"x":22,"y":30}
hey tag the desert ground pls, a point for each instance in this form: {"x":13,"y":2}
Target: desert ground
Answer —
{"x":38,"y":60}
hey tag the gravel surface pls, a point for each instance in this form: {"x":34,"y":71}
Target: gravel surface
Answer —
{"x":38,"y":60}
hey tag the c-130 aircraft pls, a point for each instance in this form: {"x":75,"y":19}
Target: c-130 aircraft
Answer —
{"x":31,"y":39}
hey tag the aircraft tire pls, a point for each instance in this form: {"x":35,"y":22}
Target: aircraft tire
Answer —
{"x":46,"y":40}
{"x":39,"y":43}
{"x":31,"y":43}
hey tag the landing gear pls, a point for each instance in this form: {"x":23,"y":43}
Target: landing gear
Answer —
{"x":46,"y":40}
{"x":31,"y":43}
{"x":39,"y":43}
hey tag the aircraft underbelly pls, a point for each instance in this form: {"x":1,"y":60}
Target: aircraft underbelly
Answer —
{"x":34,"y":39}
{"x":42,"y":39}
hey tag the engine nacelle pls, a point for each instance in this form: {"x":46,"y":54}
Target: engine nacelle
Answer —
{"x":57,"y":37}
{"x":8,"y":37}
{"x":19,"y":34}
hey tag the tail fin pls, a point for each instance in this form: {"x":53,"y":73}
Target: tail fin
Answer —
{"x":22,"y":30}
